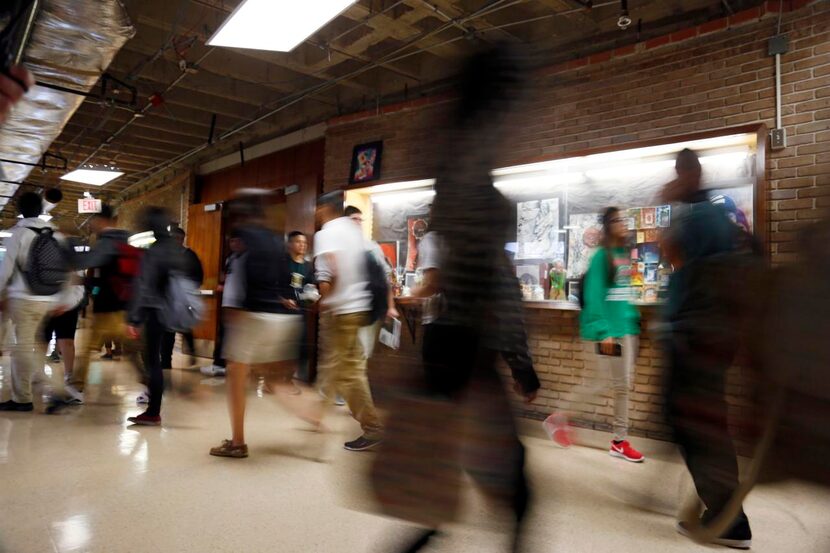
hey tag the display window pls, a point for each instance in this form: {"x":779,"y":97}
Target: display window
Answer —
{"x":559,"y":206}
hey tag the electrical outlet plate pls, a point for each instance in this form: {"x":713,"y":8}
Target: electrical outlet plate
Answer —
{"x":778,"y":139}
{"x":779,"y":44}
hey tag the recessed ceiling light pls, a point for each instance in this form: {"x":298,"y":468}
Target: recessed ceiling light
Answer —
{"x":94,"y":177}
{"x":276,"y":25}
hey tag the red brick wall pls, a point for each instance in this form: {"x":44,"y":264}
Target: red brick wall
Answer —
{"x":719,"y":78}
{"x":174,"y":195}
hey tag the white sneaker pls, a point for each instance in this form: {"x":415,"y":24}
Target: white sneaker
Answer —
{"x":143,"y":398}
{"x":212,"y":370}
{"x":338,"y":400}
{"x":74,"y":397}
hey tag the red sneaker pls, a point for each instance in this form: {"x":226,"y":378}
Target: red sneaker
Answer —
{"x":562,"y":437}
{"x":145,"y":420}
{"x":623,"y":450}
{"x":558,"y":430}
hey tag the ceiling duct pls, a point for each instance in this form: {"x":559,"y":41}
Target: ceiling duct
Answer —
{"x":71,"y":45}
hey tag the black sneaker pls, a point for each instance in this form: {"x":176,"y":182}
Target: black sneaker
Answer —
{"x":737,"y":537}
{"x":14,"y":406}
{"x":56,"y":405}
{"x":361,"y":444}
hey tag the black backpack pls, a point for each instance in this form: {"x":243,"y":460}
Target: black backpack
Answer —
{"x":379,"y":288}
{"x":47,"y":268}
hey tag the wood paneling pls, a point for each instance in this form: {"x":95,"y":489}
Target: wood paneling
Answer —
{"x":203,"y":238}
{"x":302,"y":164}
{"x":301,"y":205}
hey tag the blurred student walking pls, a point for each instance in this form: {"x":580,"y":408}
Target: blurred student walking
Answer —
{"x":34,"y":276}
{"x":263,"y":333}
{"x":114,"y":265}
{"x":150,"y":299}
{"x":610,"y":325}
{"x":341,"y":263}
{"x":701,"y":342}
{"x":463,"y":420}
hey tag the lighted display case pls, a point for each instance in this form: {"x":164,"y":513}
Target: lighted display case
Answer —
{"x":559,"y":204}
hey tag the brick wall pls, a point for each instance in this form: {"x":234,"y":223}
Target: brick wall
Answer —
{"x":174,"y":195}
{"x":715,"y":77}
{"x":560,"y":362}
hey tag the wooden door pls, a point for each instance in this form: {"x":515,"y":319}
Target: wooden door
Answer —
{"x":204,"y":238}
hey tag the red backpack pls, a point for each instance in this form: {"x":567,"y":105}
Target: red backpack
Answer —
{"x":127,"y":267}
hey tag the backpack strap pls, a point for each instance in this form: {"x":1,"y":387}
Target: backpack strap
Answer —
{"x":40,"y":230}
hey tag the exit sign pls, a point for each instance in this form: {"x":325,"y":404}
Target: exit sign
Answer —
{"x":89,"y":205}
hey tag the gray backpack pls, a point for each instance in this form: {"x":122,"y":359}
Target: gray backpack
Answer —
{"x":47,"y":267}
{"x":183,"y":308}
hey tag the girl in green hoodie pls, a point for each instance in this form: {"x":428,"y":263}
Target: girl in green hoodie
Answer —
{"x":610,"y":325}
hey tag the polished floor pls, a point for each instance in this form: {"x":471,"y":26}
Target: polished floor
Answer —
{"x":86,"y":481}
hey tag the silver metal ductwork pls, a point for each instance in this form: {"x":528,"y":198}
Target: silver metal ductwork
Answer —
{"x":71,"y":45}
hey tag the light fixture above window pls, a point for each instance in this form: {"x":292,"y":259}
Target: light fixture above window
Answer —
{"x":276,"y":25}
{"x":94,"y":176}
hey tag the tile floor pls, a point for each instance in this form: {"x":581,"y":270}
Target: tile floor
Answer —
{"x":85,"y":481}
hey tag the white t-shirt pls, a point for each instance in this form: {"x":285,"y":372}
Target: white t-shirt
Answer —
{"x":340,"y":258}
{"x":430,"y":253}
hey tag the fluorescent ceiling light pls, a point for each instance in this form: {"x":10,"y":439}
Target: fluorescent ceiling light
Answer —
{"x":276,"y":25}
{"x":518,"y":184}
{"x":398,"y":186}
{"x":5,"y":234}
{"x":395,"y":197}
{"x":632,"y":156}
{"x":94,"y":177}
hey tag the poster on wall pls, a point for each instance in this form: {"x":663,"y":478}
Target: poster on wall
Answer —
{"x":416,"y":228}
{"x":366,"y":160}
{"x":663,"y":216}
{"x":584,"y":235}
{"x":738,"y":203}
{"x":648,"y":217}
{"x":537,"y":229}
{"x":390,"y":252}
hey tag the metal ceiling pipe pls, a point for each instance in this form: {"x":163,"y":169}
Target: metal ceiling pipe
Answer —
{"x":290,"y":100}
{"x":30,"y":23}
{"x":72,"y":42}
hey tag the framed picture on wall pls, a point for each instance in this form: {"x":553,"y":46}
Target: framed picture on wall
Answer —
{"x":366,"y":160}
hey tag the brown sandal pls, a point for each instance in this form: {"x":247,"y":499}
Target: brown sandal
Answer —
{"x":227,"y":449}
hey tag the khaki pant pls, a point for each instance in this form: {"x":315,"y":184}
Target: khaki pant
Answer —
{"x":28,"y":348}
{"x":106,"y":327}
{"x":614,"y":373}
{"x":343,"y":368}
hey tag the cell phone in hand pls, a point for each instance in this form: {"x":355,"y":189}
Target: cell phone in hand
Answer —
{"x":616,"y":353}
